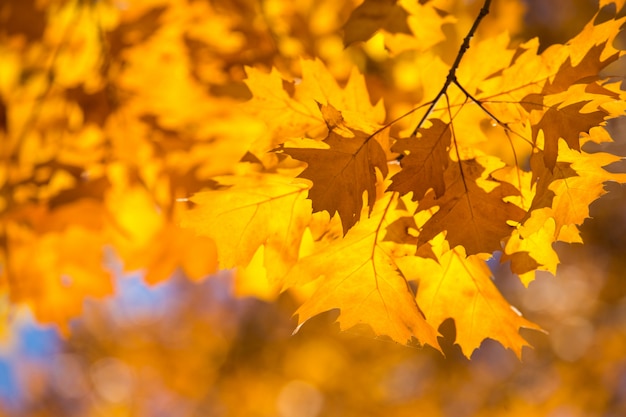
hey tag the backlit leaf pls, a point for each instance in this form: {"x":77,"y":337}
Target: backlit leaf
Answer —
{"x":248,"y":212}
{"x":341,"y":172}
{"x":460,"y":287}
{"x":358,"y":276}
{"x":471,"y":217}
{"x":424,"y":163}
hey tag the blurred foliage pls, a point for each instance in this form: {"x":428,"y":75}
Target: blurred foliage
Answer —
{"x":110,"y":111}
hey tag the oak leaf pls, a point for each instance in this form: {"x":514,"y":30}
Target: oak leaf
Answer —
{"x":424,"y":163}
{"x":586,"y":71}
{"x":357,"y":275}
{"x":472,"y":217}
{"x":248,"y":212}
{"x":292,"y":109}
{"x":340,"y":172}
{"x":567,"y":123}
{"x":530,"y":246}
{"x":574,"y":194}
{"x":460,"y":287}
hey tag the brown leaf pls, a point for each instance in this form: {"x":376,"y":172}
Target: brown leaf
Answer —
{"x":341,"y":173}
{"x":587,"y":70}
{"x":566,"y":123}
{"x":371,"y":16}
{"x":425,"y":161}
{"x":472,"y":217}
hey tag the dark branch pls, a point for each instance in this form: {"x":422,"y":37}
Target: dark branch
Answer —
{"x":480,"y":104}
{"x":451,"y":78}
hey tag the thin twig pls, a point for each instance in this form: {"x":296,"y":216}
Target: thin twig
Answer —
{"x":456,"y":145}
{"x":480,"y":104}
{"x":451,"y":78}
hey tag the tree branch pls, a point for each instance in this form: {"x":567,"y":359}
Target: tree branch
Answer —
{"x":451,"y":78}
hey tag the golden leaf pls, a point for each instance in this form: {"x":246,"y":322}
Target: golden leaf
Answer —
{"x":247,"y":212}
{"x":357,"y":275}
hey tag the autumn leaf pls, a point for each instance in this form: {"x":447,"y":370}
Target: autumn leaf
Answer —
{"x":573,"y":194}
{"x":290,"y":109}
{"x":371,"y":16}
{"x":530,"y":247}
{"x":545,"y":176}
{"x":566,"y":122}
{"x":472,"y":217}
{"x":424,"y":163}
{"x":279,"y":111}
{"x":357,"y":275}
{"x":418,"y":27}
{"x":586,"y":71}
{"x":460,"y":287}
{"x":247,"y":212}
{"x":340,"y":172}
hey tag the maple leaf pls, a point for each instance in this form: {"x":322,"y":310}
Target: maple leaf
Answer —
{"x":341,"y":172}
{"x":357,"y":275}
{"x":460,"y":287}
{"x":425,"y":160}
{"x":472,"y":217}
{"x":264,"y":209}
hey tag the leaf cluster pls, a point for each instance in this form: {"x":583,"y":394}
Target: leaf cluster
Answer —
{"x":287,"y":158}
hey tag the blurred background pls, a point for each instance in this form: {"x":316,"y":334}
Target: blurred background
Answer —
{"x":103,"y":110}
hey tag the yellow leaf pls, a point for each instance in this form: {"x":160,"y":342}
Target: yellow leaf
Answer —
{"x":247,"y":212}
{"x":460,"y":287}
{"x":357,"y":275}
{"x":530,"y":246}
